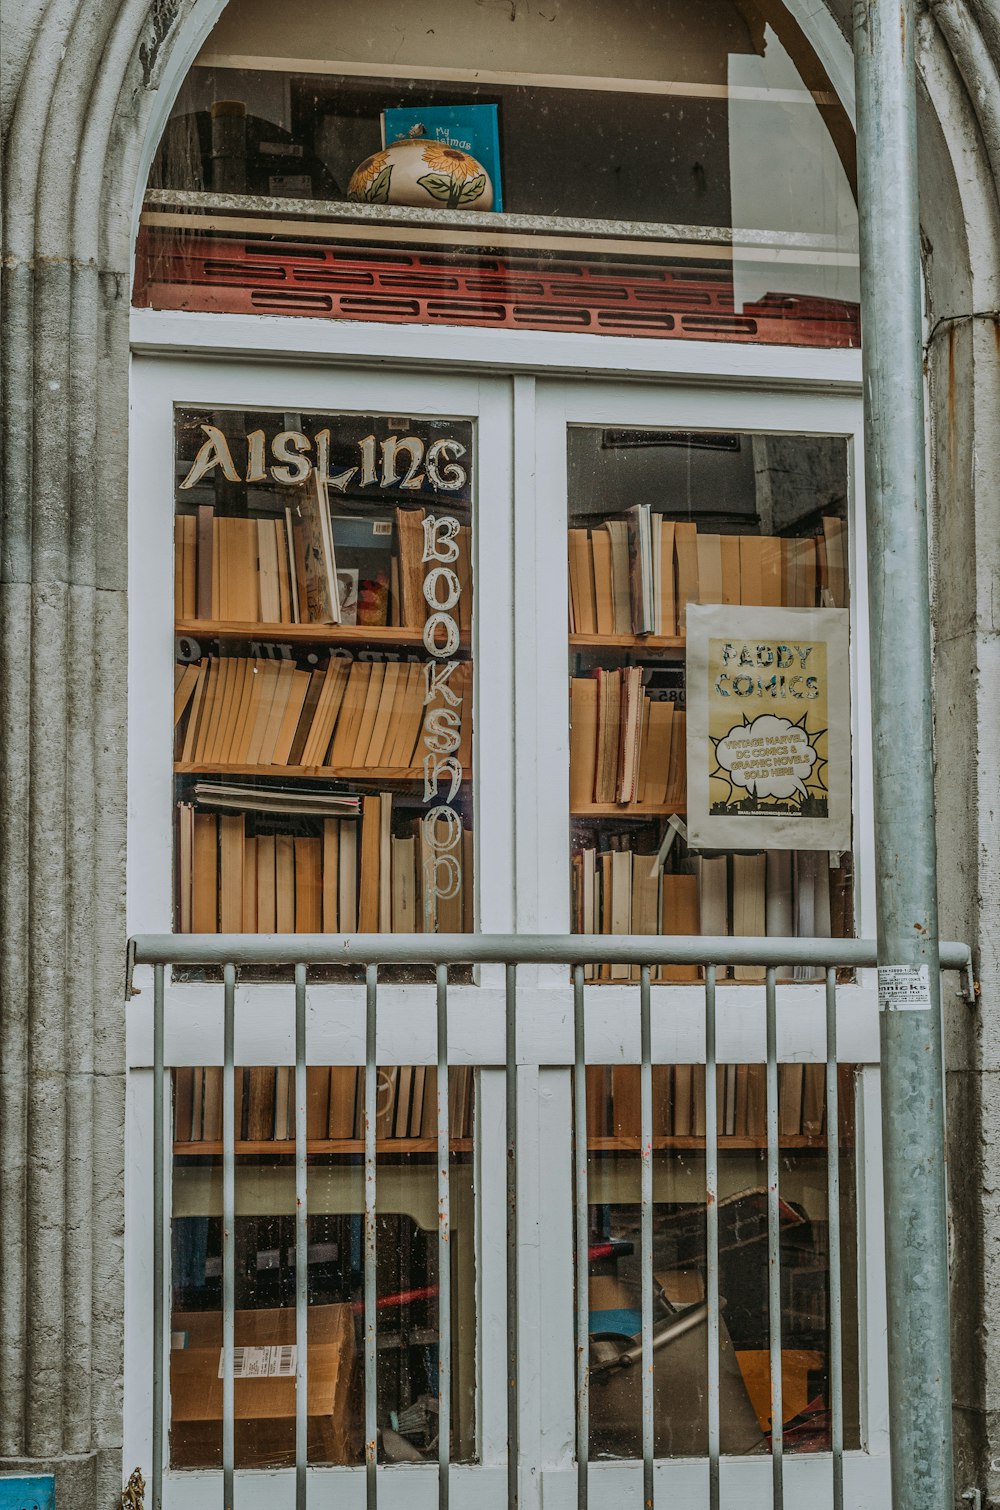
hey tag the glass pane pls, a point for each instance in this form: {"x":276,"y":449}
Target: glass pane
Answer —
{"x":680,"y":1259}
{"x":323,"y":692}
{"x":407,"y":1288}
{"x":659,"y":521}
{"x":712,"y":124}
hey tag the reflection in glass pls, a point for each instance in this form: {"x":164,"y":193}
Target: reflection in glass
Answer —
{"x":680,"y":1260}
{"x":659,"y":519}
{"x":407,"y":1288}
{"x":717,"y":128}
{"x":323,"y":689}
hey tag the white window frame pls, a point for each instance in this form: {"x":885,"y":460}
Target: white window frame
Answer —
{"x":522,"y":389}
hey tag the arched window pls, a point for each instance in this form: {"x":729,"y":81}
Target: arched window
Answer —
{"x":512,"y":592}
{"x":668,"y":169}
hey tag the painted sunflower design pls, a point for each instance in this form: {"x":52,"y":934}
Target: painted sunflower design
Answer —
{"x":455,"y":177}
{"x":370,"y":180}
{"x":457,"y":164}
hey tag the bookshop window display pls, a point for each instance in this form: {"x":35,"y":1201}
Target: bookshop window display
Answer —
{"x":323,"y":694}
{"x":323,"y":725}
{"x":710,"y":793}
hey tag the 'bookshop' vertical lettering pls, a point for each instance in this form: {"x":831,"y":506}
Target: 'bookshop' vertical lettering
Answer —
{"x":441,"y":824}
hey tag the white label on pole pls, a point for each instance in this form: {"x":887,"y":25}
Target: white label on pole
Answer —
{"x":261,"y":1362}
{"x":904,"y":988}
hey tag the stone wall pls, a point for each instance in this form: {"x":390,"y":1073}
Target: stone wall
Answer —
{"x":84,"y":86}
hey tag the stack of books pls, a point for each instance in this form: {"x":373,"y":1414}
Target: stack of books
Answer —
{"x":356,"y":715}
{"x":782,"y":894}
{"x":636,"y":576}
{"x":351,"y":875}
{"x":625,"y":746}
{"x":678,"y":1103}
{"x":335,"y":1103}
{"x":307,"y":567}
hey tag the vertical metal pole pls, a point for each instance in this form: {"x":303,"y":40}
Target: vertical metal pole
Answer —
{"x":444,"y":1243}
{"x":228,"y":1234}
{"x":370,"y":1311}
{"x":834,"y":1247}
{"x":712,"y":1238}
{"x":301,"y":1248}
{"x":646,"y":1220}
{"x":159,"y":1238}
{"x":905,"y":858}
{"x":513,"y":1426}
{"x":582,"y":1238}
{"x":774,"y":1250}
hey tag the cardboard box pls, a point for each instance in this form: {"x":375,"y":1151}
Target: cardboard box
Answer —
{"x":264,"y":1407}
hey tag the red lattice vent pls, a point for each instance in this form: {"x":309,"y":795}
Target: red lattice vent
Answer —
{"x":240,"y":276}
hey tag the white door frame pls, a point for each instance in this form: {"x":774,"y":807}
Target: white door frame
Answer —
{"x":521,"y":808}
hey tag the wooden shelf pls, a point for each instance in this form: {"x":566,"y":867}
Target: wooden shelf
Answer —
{"x":384,"y":774}
{"x":673,"y":645}
{"x":304,"y":634}
{"x":627,"y":810}
{"x":285,"y":1148}
{"x":627,"y":1144}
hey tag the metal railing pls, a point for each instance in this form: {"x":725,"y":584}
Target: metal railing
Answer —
{"x":444,"y":953}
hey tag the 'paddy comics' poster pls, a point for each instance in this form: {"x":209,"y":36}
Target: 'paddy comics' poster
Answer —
{"x":768,"y":728}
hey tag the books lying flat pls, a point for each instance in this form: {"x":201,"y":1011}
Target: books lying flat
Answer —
{"x":252,"y":799}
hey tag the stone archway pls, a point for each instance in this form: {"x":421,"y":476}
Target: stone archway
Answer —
{"x":88,"y":86}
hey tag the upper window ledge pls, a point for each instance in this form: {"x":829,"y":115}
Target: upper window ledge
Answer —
{"x":338,"y":218}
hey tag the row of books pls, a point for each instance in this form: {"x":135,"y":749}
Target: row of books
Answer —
{"x":406,"y":1102}
{"x":283,"y":569}
{"x":782,"y":893}
{"x":254,"y":711}
{"x":637,"y":575}
{"x":679,"y":1101}
{"x":354,"y":876}
{"x":625,"y":746}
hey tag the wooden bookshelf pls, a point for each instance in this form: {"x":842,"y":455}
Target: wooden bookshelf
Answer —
{"x":727,"y":1142}
{"x":383,"y":774}
{"x":671,"y":646}
{"x":285,"y":1148}
{"x":305,"y":634}
{"x":634,"y":810}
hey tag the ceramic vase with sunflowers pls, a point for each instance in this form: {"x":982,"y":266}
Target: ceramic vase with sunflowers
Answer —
{"x":422,"y":174}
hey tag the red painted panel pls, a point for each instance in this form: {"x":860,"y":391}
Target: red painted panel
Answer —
{"x":181,"y":270}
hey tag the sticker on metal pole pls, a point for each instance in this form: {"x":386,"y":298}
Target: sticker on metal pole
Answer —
{"x":904,"y":988}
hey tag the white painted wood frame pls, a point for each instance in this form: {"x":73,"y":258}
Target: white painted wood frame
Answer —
{"x":521,"y":391}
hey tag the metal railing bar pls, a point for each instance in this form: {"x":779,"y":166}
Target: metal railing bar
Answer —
{"x":301,"y":1248}
{"x":505,"y":948}
{"x":774,"y":1245}
{"x":159,"y":1223}
{"x":646,"y":1226}
{"x":833,"y":1254}
{"x":513,"y":1425}
{"x":444,"y":1242}
{"x":370,"y":1299}
{"x":712,"y":1237}
{"x":228,"y":1233}
{"x":581,"y":1228}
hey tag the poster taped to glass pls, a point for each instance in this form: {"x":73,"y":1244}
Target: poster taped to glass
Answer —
{"x":768,"y":728}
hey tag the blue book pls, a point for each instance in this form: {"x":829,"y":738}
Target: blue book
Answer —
{"x":472,"y":128}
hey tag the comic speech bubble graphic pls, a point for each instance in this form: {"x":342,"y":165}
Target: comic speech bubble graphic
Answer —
{"x":770,"y":757}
